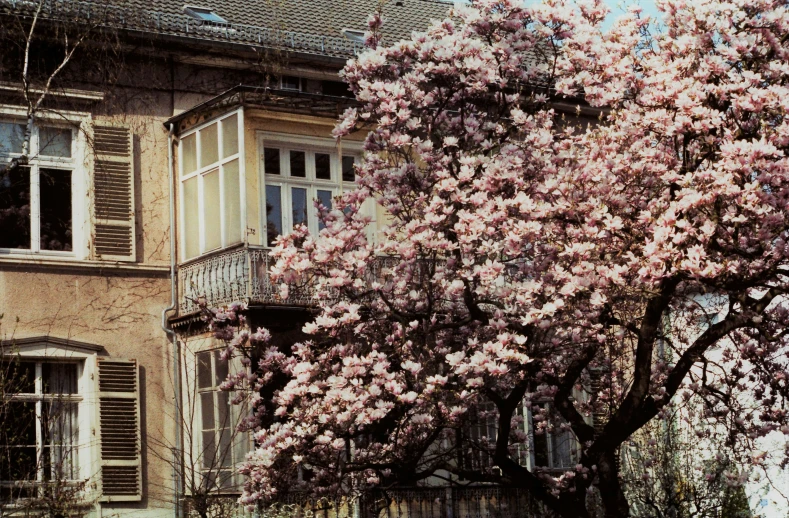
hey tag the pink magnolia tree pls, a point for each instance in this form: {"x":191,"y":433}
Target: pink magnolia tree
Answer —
{"x":528,"y":258}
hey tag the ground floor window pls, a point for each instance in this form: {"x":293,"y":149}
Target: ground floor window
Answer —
{"x":39,"y":436}
{"x":222,"y":446}
{"x":551,"y":443}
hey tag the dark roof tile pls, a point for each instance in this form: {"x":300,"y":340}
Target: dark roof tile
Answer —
{"x":323,"y":18}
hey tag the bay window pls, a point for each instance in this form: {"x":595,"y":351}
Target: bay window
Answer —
{"x":211,"y":178}
{"x":37,"y":209}
{"x":297,"y":172}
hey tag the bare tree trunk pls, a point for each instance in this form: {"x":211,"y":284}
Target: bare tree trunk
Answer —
{"x":613,"y":497}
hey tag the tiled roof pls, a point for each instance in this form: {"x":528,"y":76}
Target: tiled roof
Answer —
{"x":311,"y":26}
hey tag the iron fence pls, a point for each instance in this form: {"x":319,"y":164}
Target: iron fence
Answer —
{"x":425,"y":502}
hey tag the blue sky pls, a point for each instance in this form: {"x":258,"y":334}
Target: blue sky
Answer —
{"x":618,"y":7}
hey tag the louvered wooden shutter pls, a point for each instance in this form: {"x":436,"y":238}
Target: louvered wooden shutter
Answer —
{"x":113,"y":178}
{"x":119,"y":430}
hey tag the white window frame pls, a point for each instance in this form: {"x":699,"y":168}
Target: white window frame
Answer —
{"x":550,"y":437}
{"x":200,"y":173}
{"x":80,"y":182}
{"x":310,"y":146}
{"x":526,"y":453}
{"x":43,"y":350}
{"x":241,"y":442}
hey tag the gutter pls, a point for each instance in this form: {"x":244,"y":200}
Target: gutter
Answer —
{"x":176,"y":461}
{"x":243,"y":91}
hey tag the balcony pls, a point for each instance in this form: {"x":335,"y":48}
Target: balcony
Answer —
{"x":241,"y":274}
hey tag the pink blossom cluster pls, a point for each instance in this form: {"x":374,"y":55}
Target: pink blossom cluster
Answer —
{"x":535,"y":252}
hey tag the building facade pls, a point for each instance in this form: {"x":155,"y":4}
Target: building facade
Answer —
{"x":150,"y":152}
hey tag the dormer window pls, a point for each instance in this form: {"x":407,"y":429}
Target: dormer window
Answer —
{"x":290,"y":83}
{"x":203,"y":14}
{"x":354,"y":35}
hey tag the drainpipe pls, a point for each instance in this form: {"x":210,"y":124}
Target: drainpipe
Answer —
{"x":171,"y":334}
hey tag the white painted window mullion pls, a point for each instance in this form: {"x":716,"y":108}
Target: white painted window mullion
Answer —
{"x":39,"y":389}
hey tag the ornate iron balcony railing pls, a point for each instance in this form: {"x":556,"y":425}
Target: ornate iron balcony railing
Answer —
{"x":241,"y":274}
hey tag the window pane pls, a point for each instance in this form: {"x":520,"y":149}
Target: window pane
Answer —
{"x":273,"y":213}
{"x":209,"y":145}
{"x":290,"y":83}
{"x":209,"y":449}
{"x":324,"y":197}
{"x":59,"y":378}
{"x":54,"y":142}
{"x":18,"y":440}
{"x":223,"y":409}
{"x":271,"y":160}
{"x":348,"y":173}
{"x":55,"y":188}
{"x":540,"y":449}
{"x":211,"y":210}
{"x":225,"y":479}
{"x":15,"y":208}
{"x":232,"y":200}
{"x":563,"y":448}
{"x":207,"y":410}
{"x":204,"y":370}
{"x":229,"y":136}
{"x":189,"y":153}
{"x":11,"y":137}
{"x":19,"y":423}
{"x":18,"y":436}
{"x":60,"y":438}
{"x":18,"y":377}
{"x":191,"y":223}
{"x":322,"y":166}
{"x":297,"y":164}
{"x":225,"y":448}
{"x":299,"y":203}
{"x":222,"y":371}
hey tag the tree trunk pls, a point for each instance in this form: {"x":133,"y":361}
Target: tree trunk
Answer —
{"x":614,"y":500}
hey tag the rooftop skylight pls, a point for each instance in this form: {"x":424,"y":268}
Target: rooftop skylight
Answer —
{"x":354,"y":35}
{"x":204,"y":14}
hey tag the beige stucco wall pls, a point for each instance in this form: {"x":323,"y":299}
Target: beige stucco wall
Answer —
{"x":120,"y":313}
{"x":116,"y":306}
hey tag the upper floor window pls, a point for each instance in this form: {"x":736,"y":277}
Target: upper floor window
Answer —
{"x":297,"y":173}
{"x":211,"y":173}
{"x":336,"y":89}
{"x":37,"y":201}
{"x":290,"y":83}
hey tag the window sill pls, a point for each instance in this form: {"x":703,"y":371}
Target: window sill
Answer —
{"x":27,"y":262}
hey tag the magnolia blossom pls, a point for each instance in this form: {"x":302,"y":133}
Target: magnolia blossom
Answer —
{"x":539,"y":261}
